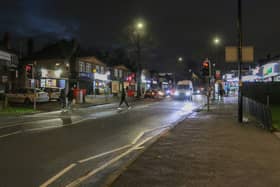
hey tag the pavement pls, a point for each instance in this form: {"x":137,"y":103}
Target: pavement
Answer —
{"x":207,"y":149}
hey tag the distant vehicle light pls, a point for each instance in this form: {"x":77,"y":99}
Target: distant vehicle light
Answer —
{"x":176,"y":93}
{"x":188,"y":93}
{"x":160,"y":93}
{"x":198,"y":91}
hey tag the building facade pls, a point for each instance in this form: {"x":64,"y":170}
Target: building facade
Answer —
{"x":8,"y":70}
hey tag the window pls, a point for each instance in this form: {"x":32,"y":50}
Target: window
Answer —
{"x":116,"y":73}
{"x":102,"y":70}
{"x":82,"y":67}
{"x":97,"y":69}
{"x":121,"y":73}
{"x":88,"y":67}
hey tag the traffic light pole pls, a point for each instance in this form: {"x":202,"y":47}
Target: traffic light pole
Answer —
{"x":209,"y":86}
{"x":33,"y":77}
{"x":240,"y":95}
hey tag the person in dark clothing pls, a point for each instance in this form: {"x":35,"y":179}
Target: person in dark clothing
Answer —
{"x":221,"y":91}
{"x":123,"y":98}
{"x":70,"y":97}
{"x":62,"y":98}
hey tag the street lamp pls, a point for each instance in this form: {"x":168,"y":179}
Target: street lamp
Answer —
{"x":216,"y":40}
{"x":139,"y":25}
{"x":216,"y":43}
{"x":180,"y":59}
{"x":139,"y":28}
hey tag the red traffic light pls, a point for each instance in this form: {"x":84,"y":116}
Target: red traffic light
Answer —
{"x":28,"y":68}
{"x":205,"y":64}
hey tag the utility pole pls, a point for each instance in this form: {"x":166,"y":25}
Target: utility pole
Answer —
{"x":239,"y":27}
{"x":34,"y":79}
{"x":139,"y":66}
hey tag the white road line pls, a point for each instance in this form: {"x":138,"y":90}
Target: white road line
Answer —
{"x":42,"y":128}
{"x":93,"y":172}
{"x":10,"y":134}
{"x":138,"y":137}
{"x":7,"y":126}
{"x":157,"y":128}
{"x":54,"y":178}
{"x":22,"y":123}
{"x":103,"y":154}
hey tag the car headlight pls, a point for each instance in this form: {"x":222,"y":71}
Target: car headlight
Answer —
{"x":176,"y":93}
{"x":188,"y":93}
{"x":160,"y":93}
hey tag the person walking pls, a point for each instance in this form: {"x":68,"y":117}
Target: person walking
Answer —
{"x":221,"y":91}
{"x":123,"y":98}
{"x":70,"y":97}
{"x":62,"y":99}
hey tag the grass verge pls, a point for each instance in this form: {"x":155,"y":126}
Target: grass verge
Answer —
{"x":11,"y":111}
{"x":275,"y":111}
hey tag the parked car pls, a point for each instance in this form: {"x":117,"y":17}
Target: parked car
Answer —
{"x":153,"y":93}
{"x":26,"y":96}
{"x":53,"y":92}
{"x":150,"y":93}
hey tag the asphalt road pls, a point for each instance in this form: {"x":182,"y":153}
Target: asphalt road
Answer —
{"x":57,"y":156}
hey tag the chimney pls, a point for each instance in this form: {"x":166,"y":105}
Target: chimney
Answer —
{"x":7,"y":40}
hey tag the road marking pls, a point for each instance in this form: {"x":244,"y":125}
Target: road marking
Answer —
{"x":103,"y":154}
{"x":138,"y":137}
{"x":93,"y":172}
{"x":43,"y":128}
{"x":157,"y":128}
{"x":139,"y":148}
{"x":10,"y":134}
{"x":54,"y":178}
{"x":23,"y":123}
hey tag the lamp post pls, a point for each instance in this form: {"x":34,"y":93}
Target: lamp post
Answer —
{"x":216,"y":43}
{"x":178,"y":60}
{"x":139,"y":27}
{"x":240,"y":43}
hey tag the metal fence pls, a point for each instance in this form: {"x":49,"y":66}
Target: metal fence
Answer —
{"x":259,"y":111}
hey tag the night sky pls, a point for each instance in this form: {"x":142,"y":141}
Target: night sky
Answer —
{"x":180,"y":27}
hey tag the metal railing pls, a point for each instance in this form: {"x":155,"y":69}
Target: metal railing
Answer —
{"x":259,"y":111}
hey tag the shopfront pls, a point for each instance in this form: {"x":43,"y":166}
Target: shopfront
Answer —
{"x":101,"y":83}
{"x":271,"y":72}
{"x":52,"y":78}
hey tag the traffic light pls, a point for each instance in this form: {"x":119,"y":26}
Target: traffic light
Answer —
{"x":205,"y":68}
{"x":28,"y":70}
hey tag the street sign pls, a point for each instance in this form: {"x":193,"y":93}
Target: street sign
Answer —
{"x":231,"y":54}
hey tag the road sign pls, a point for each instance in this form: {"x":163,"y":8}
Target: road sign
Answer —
{"x":232,"y":54}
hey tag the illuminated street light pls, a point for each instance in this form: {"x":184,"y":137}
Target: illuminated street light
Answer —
{"x":140,"y":25}
{"x":217,"y":41}
{"x":180,"y":59}
{"x":140,"y":32}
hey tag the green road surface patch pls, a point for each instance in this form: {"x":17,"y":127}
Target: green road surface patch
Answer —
{"x":275,"y":111}
{"x":10,"y":111}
